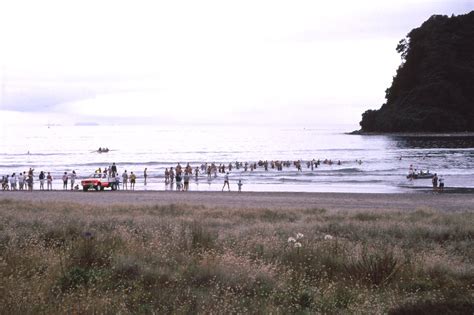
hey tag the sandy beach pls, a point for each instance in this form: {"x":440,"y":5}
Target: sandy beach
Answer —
{"x":255,"y":200}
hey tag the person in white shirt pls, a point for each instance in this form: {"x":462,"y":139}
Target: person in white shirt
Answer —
{"x":23,"y":179}
{"x":73,"y":179}
{"x":13,"y":180}
{"x":441,"y":183}
{"x":117,"y":180}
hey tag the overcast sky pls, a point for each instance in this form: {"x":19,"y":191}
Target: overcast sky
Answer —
{"x":289,"y":62}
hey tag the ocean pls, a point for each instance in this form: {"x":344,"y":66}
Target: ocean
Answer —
{"x":385,"y":159}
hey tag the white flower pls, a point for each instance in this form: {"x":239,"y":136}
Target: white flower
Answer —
{"x":328,"y":237}
{"x":297,"y":244}
{"x":299,"y":236}
{"x":291,"y":239}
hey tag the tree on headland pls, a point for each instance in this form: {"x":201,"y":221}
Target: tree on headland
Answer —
{"x":433,"y":89}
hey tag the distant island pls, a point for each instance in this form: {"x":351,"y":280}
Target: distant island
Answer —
{"x":433,"y":90}
{"x":86,"y":123}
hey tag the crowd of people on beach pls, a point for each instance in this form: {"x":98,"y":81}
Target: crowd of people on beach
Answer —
{"x":25,"y":181}
{"x":180,"y":176}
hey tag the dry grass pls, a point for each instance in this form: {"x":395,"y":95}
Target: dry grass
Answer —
{"x":64,"y":258}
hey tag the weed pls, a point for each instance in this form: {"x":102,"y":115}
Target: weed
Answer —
{"x":58,"y":258}
{"x":376,"y":267}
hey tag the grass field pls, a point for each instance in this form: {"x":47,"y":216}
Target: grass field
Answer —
{"x":69,"y":258}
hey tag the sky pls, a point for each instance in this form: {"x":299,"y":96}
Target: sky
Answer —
{"x":202,"y":62}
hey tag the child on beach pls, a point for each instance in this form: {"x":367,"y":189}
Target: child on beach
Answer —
{"x":240,"y":185}
{"x":133,"y":178}
{"x":441,"y":184}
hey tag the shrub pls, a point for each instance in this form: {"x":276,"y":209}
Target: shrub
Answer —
{"x":375,"y":267}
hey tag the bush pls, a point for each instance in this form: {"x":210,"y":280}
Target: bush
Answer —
{"x":375,"y":267}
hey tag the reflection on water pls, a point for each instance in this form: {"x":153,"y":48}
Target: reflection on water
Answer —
{"x":433,"y":142}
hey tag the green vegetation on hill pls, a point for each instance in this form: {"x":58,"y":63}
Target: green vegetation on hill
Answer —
{"x":433,"y":90}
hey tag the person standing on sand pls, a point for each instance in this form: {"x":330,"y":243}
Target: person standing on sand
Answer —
{"x":73,"y":179}
{"x":208,"y":171}
{"x":145,"y":175}
{"x":171,"y":175}
{"x":24,"y":178}
{"x":113,"y":169}
{"x":30,"y":182}
{"x":226,"y":181}
{"x":240,"y":185}
{"x":20,"y":181}
{"x":133,"y":179}
{"x":167,"y":176}
{"x":117,"y":181}
{"x":125,"y":180}
{"x":41,"y":179}
{"x":65,"y":178}
{"x":441,"y":184}
{"x":186,"y":181}
{"x":5,"y":182}
{"x":49,"y":182}
{"x":13,"y":182}
{"x":435,"y":182}
{"x":178,"y":181}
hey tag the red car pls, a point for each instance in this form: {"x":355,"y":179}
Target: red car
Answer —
{"x":98,"y":182}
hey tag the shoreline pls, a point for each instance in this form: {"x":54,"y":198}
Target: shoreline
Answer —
{"x":445,"y":202}
{"x":412,"y":134}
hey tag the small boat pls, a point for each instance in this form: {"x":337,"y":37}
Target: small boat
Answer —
{"x":421,"y":175}
{"x":103,"y":150}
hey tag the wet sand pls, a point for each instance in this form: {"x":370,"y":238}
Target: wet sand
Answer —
{"x":255,"y":200}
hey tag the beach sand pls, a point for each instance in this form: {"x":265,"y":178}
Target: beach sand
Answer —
{"x":256,"y":200}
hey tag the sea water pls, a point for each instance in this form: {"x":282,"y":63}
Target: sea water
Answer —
{"x":385,"y":160}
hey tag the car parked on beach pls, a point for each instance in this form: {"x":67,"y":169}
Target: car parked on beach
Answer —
{"x":98,"y":181}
